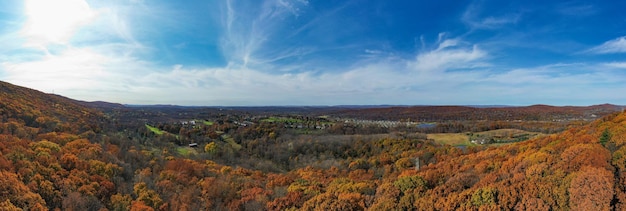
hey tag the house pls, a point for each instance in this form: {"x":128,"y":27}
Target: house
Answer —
{"x":481,"y":141}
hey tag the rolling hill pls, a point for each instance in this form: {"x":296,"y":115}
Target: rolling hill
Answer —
{"x":580,"y":169}
{"x":32,"y":108}
{"x":54,"y":155}
{"x":457,"y":113}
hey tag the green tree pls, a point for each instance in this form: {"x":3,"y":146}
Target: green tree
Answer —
{"x":484,"y":196}
{"x":410,"y":182}
{"x":605,"y":137}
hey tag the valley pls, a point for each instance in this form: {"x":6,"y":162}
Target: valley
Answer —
{"x":58,"y":153}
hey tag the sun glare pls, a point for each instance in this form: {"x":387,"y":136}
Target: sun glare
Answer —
{"x":54,"y":21}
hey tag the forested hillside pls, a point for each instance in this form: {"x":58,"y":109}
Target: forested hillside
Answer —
{"x":579,"y":169}
{"x":29,"y":109}
{"x":56,"y":153}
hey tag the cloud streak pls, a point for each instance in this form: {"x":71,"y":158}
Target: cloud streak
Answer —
{"x":247,"y":34}
{"x":429,"y":77}
{"x":474,"y":19}
{"x":447,"y":58}
{"x":617,"y":45}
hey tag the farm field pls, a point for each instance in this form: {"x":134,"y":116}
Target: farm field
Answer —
{"x":495,"y":137}
{"x":454,"y":139}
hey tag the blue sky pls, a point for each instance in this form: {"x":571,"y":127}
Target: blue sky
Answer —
{"x":306,"y":52}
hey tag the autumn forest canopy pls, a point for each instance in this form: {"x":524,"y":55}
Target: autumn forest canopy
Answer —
{"x":61,"y":154}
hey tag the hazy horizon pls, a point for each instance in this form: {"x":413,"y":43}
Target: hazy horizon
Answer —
{"x":299,"y":52}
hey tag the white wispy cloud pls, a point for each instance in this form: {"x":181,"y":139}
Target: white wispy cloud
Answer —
{"x":492,"y":22}
{"x":319,"y":19}
{"x":83,"y":72}
{"x":620,"y":65}
{"x":617,"y":45}
{"x":450,"y":55}
{"x":78,"y":73}
{"x":246,"y":34}
{"x":448,"y":43}
{"x":473,"y":18}
{"x":577,"y":10}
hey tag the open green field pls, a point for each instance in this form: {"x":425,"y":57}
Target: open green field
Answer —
{"x":159,"y":132}
{"x":155,"y":130}
{"x":207,"y":123}
{"x":232,"y":142}
{"x":186,"y":151}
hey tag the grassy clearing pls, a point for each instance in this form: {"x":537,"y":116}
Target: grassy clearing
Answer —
{"x":232,"y":142}
{"x":207,"y":123}
{"x":160,"y":132}
{"x":454,"y":139}
{"x":186,"y":151}
{"x":155,"y":130}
